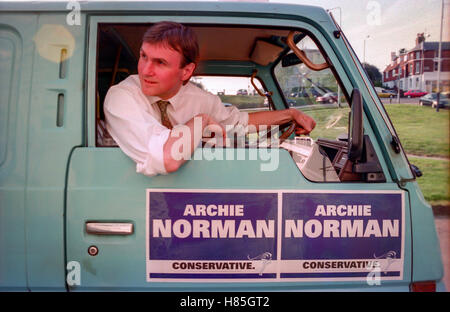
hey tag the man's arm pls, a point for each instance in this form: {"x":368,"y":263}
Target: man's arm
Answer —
{"x":305,"y":124}
{"x":173,"y":157}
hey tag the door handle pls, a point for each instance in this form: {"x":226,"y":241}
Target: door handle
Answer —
{"x":108,"y":228}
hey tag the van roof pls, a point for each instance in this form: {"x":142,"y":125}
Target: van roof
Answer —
{"x":311,"y":12}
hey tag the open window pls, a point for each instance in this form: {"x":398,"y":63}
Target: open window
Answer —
{"x":236,"y":91}
{"x":260,"y":68}
{"x":337,"y":150}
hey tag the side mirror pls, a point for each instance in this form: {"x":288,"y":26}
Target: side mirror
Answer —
{"x":355,"y":142}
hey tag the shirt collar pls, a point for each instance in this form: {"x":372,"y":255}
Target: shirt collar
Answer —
{"x":175,"y":101}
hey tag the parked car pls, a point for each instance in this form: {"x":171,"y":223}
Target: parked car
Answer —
{"x":415,"y":93}
{"x":314,"y":92}
{"x":291,"y":103}
{"x":299,"y":94}
{"x":242,"y":92}
{"x":383,"y":93}
{"x":330,"y":97}
{"x":431,"y":100}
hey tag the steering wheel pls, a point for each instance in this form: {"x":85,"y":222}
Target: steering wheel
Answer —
{"x":285,"y":130}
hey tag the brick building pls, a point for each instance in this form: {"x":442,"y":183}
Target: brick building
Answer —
{"x":418,"y":68}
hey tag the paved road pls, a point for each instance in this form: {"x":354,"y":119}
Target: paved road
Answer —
{"x":402,"y":101}
{"x":442,"y":222}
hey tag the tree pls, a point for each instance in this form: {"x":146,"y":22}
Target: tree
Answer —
{"x":373,"y":73}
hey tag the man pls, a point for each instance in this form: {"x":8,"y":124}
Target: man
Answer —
{"x":143,"y":111}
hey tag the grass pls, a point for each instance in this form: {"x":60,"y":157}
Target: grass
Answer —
{"x":422,"y":131}
{"x":435,"y":180}
{"x":330,"y":122}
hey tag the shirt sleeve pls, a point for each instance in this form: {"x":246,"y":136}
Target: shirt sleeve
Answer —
{"x":228,"y":116}
{"x":138,"y":133}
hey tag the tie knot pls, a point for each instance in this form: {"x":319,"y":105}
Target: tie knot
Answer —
{"x":163,"y":105}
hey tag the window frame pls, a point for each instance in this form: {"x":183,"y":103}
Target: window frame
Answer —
{"x":316,"y":41}
{"x":263,"y":85}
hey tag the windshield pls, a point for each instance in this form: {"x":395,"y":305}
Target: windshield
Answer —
{"x":316,"y":93}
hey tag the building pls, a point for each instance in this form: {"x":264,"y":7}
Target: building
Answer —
{"x":418,"y":68}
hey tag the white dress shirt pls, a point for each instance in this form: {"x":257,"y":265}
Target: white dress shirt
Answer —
{"x":134,"y":120}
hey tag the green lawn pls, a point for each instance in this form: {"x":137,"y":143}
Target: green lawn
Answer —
{"x":330,"y":122}
{"x":425,"y":132}
{"x":435,"y":180}
{"x":422,"y":131}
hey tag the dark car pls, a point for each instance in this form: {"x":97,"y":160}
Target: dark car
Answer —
{"x":431,"y":99}
{"x":314,"y":92}
{"x":330,"y":97}
{"x":291,"y":103}
{"x":302,"y":93}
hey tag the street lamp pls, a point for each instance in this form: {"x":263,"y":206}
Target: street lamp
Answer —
{"x":439,"y":60}
{"x":340,"y":15}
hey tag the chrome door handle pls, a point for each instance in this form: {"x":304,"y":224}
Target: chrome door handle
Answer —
{"x":104,"y":228}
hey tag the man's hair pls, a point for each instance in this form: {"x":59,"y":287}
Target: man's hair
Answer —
{"x":178,"y":37}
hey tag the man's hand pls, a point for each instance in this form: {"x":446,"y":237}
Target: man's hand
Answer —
{"x":211,"y":126}
{"x":305,"y":124}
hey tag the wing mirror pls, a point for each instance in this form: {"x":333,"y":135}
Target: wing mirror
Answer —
{"x":355,"y":142}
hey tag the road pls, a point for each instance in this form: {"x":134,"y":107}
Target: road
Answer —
{"x":402,"y":101}
{"x":442,"y":221}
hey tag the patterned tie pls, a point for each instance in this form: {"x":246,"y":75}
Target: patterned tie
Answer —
{"x":162,"y":105}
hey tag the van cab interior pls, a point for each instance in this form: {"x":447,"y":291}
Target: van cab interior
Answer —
{"x":283,"y":68}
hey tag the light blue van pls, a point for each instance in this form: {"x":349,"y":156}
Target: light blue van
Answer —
{"x":339,"y":210}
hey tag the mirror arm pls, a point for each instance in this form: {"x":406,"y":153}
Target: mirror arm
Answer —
{"x":301,"y":55}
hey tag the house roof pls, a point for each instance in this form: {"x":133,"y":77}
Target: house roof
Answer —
{"x":427,"y":46}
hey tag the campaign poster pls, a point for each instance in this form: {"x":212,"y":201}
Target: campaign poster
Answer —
{"x":274,"y":235}
{"x":342,"y":235}
{"x":211,"y":235}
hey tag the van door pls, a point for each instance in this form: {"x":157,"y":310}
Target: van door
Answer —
{"x":131,"y":232}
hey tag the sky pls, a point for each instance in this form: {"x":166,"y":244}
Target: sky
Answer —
{"x":385,"y":25}
{"x":390,"y":24}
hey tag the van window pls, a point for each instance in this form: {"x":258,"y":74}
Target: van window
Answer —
{"x":236,"y":91}
{"x":315,"y":93}
{"x":309,"y":85}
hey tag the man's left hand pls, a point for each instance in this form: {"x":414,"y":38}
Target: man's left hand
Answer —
{"x":305,"y":124}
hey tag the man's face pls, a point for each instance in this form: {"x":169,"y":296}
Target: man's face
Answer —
{"x":159,"y":70}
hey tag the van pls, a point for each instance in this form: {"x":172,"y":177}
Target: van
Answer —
{"x":338,"y":210}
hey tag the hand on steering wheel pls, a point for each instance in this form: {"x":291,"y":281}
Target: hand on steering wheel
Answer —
{"x":285,"y":131}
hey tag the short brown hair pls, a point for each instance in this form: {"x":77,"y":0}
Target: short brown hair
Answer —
{"x":179,"y":37}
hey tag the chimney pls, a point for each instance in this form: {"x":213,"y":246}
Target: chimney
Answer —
{"x":393,"y":56}
{"x":420,"y":38}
